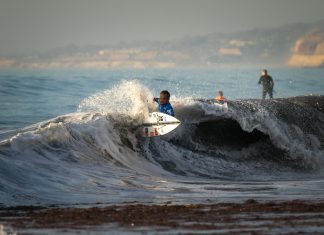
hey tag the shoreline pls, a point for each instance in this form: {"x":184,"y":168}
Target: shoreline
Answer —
{"x":249,"y":217}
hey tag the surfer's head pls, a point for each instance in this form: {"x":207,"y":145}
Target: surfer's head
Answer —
{"x":164,"y":97}
{"x":264,"y":72}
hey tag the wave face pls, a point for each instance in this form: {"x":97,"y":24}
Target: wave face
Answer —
{"x":254,"y":149}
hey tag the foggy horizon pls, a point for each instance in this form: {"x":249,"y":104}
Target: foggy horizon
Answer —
{"x":36,"y":26}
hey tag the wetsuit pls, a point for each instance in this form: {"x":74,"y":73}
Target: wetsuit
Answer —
{"x":165,"y":108}
{"x":267,"y":83}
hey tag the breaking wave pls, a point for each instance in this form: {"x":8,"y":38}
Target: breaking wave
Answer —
{"x":97,"y":155}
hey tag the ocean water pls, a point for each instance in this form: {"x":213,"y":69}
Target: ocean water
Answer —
{"x":69,"y":137}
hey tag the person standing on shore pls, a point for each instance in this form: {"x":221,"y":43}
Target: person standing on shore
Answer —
{"x":267,"y":83}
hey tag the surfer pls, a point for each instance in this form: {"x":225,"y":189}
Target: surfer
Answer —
{"x":220,"y":97}
{"x":164,"y":103}
{"x":267,"y":83}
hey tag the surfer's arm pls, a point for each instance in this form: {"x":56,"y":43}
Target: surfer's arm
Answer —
{"x":170,"y":111}
{"x":260,"y":80}
{"x":157,"y":100}
{"x":272,"y":83}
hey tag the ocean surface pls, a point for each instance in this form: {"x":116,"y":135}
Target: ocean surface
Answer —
{"x":69,"y":137}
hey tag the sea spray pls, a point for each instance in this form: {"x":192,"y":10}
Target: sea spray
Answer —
{"x":94,"y":155}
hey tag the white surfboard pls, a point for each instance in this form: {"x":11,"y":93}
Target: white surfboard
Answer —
{"x":158,"y":124}
{"x":222,"y":105}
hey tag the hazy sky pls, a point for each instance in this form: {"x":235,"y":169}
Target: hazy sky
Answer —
{"x":28,"y":26}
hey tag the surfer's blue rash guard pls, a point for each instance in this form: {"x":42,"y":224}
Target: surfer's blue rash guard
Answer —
{"x":165,"y":108}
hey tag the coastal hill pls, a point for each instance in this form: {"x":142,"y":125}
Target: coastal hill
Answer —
{"x":297,"y":45}
{"x":308,"y":50}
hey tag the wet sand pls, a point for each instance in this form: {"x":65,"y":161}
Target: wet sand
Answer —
{"x":250,"y":217}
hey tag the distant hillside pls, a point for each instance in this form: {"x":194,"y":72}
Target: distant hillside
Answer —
{"x":308,"y":50}
{"x":289,"y":45}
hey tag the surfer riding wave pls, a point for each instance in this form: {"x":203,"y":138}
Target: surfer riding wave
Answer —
{"x":95,"y":155}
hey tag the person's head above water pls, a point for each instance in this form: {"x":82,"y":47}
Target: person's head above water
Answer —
{"x":164,"y":97}
{"x":220,"y":96}
{"x":264,"y":72}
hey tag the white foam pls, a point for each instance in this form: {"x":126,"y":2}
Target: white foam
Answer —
{"x":127,"y":98}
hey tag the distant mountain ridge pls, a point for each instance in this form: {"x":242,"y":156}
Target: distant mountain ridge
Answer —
{"x":300,"y":45}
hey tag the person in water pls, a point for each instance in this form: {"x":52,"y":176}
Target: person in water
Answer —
{"x":164,"y":103}
{"x":267,"y":83}
{"x":220,"y":97}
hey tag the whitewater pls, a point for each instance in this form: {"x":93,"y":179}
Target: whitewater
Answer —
{"x":77,"y":143}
